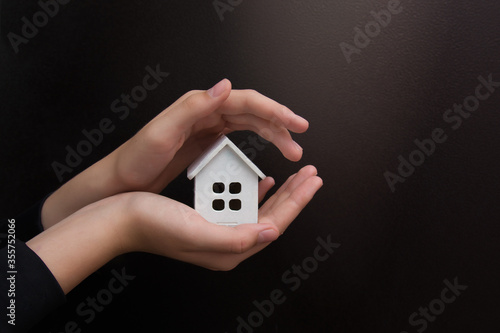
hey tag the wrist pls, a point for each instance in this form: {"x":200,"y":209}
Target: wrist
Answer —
{"x":140,"y":226}
{"x":83,"y":242}
{"x":97,"y":182}
{"x":125,"y":230}
{"x":118,"y":222}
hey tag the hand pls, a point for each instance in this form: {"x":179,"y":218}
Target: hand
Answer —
{"x":174,"y":138}
{"x":166,"y":227}
{"x":171,"y":141}
{"x":142,"y":221}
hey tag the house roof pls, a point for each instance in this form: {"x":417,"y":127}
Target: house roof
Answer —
{"x":213,"y":150}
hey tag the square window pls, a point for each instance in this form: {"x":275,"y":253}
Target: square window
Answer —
{"x":218,"y":187}
{"x":235,"y":204}
{"x":235,"y":188}
{"x":218,"y":204}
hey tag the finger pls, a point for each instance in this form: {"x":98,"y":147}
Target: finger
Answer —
{"x":289,"y":148}
{"x":287,"y":210}
{"x":279,"y":136}
{"x":192,"y":148}
{"x":286,"y":189}
{"x":264,"y":186}
{"x":274,"y":197}
{"x":190,"y":93}
{"x":183,"y":97}
{"x":188,"y":232}
{"x":302,"y":175}
{"x":281,"y":216}
{"x":233,"y":240}
{"x":250,"y":101}
{"x":228,"y":260}
{"x":245,"y":240}
{"x":172,"y":127}
{"x":217,"y":261}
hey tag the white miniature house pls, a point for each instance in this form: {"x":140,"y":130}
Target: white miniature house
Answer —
{"x":225,"y":184}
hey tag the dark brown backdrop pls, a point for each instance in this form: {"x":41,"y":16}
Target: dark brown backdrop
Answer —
{"x":395,"y":86}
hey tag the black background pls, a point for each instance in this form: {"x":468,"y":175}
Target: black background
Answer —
{"x":396,"y":248}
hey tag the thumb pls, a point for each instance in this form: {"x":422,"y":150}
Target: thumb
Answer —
{"x":169,"y":129}
{"x":198,"y":105}
{"x":220,"y":89}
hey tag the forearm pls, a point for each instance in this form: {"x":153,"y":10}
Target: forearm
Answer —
{"x":95,"y":183}
{"x":83,"y":242}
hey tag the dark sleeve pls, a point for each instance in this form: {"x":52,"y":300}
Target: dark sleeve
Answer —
{"x":28,"y":284}
{"x":28,"y":223}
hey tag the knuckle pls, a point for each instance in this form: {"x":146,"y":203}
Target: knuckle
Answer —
{"x":154,"y":137}
{"x":193,"y":102}
{"x":251,"y":95}
{"x":240,"y":244}
{"x":190,"y":93}
{"x":158,"y":140}
{"x":238,"y":247}
{"x":251,"y":92}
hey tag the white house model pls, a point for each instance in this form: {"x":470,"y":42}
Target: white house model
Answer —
{"x":226,"y":184}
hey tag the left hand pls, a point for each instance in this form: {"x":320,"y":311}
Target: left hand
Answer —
{"x":173,"y":139}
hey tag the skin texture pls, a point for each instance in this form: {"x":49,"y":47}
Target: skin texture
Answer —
{"x":113,"y":206}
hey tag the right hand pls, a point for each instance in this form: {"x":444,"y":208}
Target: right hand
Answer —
{"x":166,"y":227}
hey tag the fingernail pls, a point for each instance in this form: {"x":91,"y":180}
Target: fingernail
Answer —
{"x":272,"y":180}
{"x":297,"y":146}
{"x":217,"y":90}
{"x":267,"y":236}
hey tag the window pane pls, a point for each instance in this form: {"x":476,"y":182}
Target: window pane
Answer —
{"x":218,"y":204}
{"x":218,"y":187}
{"x":235,"y":204}
{"x":234,"y":188}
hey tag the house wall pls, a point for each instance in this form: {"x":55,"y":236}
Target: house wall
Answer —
{"x":227,"y":168}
